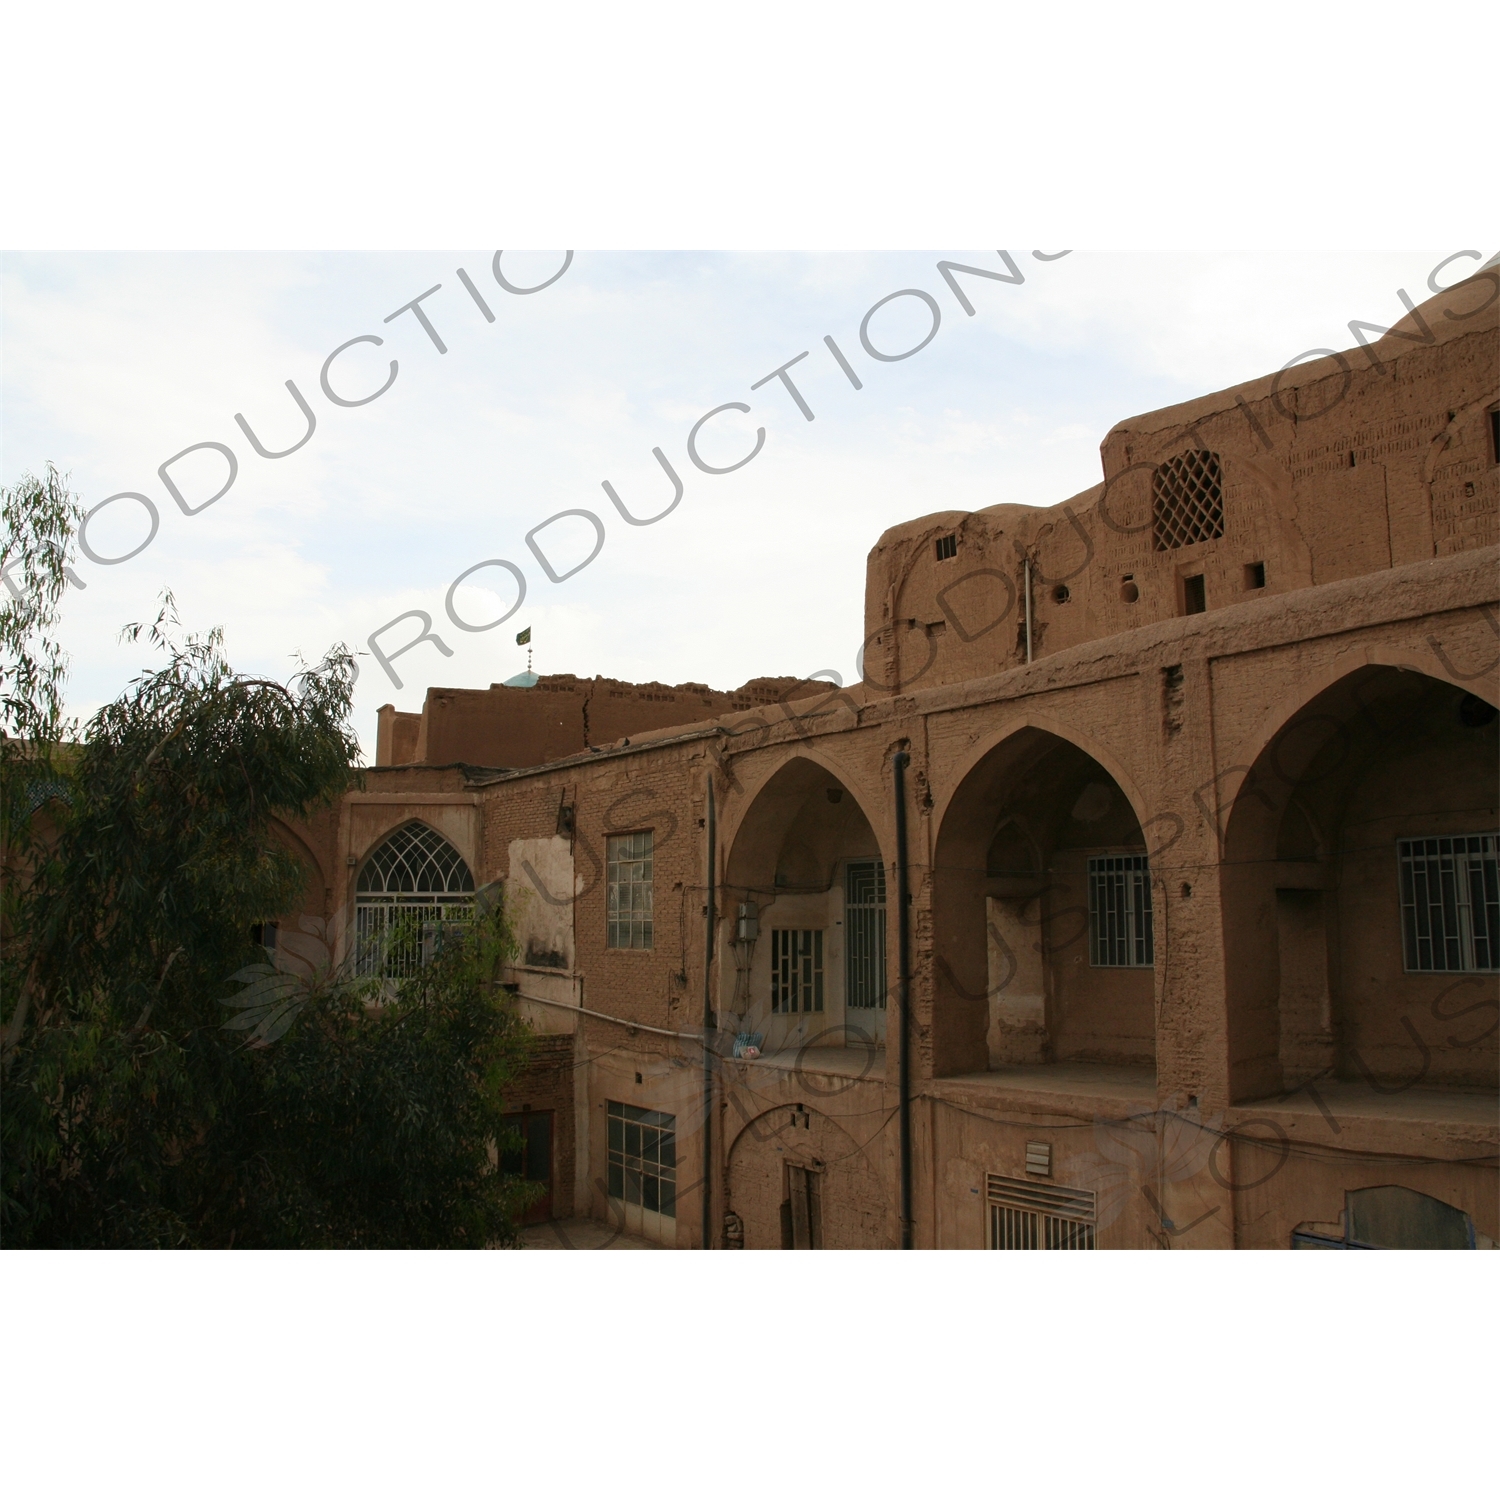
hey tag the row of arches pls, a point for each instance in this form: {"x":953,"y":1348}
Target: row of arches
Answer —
{"x":1350,"y":877}
{"x":1349,"y":871}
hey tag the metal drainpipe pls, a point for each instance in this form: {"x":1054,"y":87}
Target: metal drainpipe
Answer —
{"x":1028,"y":610}
{"x":708,"y":1013}
{"x":899,"y":764}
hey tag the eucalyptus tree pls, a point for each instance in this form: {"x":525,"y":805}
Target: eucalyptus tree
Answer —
{"x":166,"y":1083}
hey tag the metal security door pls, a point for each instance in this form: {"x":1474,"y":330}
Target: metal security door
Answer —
{"x":864,"y":948}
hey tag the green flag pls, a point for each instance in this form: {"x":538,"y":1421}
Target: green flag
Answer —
{"x":524,"y":639}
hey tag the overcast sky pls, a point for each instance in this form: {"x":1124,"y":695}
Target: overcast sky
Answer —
{"x":113,"y":363}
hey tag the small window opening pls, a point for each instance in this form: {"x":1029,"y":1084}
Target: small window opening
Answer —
{"x":947,"y":546}
{"x":1129,"y":592}
{"x":796,"y":970}
{"x":1120,"y":912}
{"x":1187,"y":501}
{"x":1495,"y":435}
{"x":1469,"y":489}
{"x":1351,"y":460}
{"x":1450,"y":903}
{"x":1255,"y":575}
{"x":1060,"y":594}
{"x":1194,"y":601}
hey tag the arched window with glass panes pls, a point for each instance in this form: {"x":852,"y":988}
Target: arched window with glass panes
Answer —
{"x":412,"y":889}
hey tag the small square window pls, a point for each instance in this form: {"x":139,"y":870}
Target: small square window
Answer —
{"x":1255,"y":575}
{"x":947,"y":546}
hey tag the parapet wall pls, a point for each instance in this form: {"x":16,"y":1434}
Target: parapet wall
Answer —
{"x":562,"y":715}
{"x":1344,"y":467}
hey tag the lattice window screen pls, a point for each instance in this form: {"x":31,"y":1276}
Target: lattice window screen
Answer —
{"x":1187,"y":501}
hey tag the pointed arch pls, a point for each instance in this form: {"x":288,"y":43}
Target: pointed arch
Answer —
{"x":1094,"y":749}
{"x":1299,"y":695}
{"x":1380,"y":755}
{"x":414,"y":859}
{"x":410,"y":887}
{"x":805,"y":868}
{"x":734,"y":813}
{"x":792,"y":1150}
{"x":1042,"y":906}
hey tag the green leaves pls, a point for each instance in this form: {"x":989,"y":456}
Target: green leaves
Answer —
{"x":39,"y":517}
{"x":151,"y":1100}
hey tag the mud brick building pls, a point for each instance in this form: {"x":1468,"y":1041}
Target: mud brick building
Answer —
{"x":1190,"y":781}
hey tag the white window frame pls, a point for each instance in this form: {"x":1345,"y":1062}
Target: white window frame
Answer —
{"x":630,"y":882}
{"x":641,"y":1170}
{"x":426,"y":883}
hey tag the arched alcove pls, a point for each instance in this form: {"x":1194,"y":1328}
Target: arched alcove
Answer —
{"x":1042,"y":915}
{"x":1360,"y":909}
{"x":798,"y":1180}
{"x":806,"y":859}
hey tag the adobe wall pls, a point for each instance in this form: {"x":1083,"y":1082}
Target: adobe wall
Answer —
{"x":560,"y":715}
{"x":1336,"y":469}
{"x":1262,"y":756}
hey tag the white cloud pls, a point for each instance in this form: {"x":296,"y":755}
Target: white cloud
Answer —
{"x":114,"y":363}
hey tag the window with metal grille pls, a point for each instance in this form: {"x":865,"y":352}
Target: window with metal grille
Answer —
{"x":643,"y":1159}
{"x":630,"y":890}
{"x":1187,"y":501}
{"x":1120,"y":912}
{"x":1450,"y":903}
{"x":410,"y":892}
{"x":947,"y":546}
{"x":796,"y":969}
{"x":864,"y":935}
{"x":1039,"y":1216}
